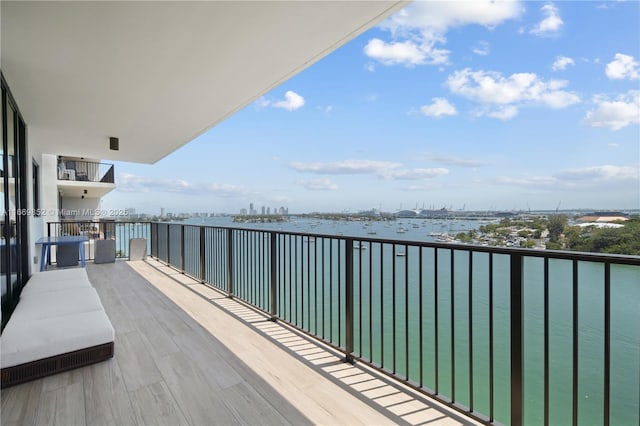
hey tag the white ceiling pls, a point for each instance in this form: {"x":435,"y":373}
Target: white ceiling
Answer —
{"x":158,"y":74}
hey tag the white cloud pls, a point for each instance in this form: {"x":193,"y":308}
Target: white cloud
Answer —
{"x":501,"y":97}
{"x":442,"y":15}
{"x":406,"y":53}
{"x":623,"y":67}
{"x":591,"y":178}
{"x":481,"y":48}
{"x":381,"y":169}
{"x":551,"y":23}
{"x":455,"y":161}
{"x":325,"y":109}
{"x":347,"y":167}
{"x":537,"y":182}
{"x":322,"y":184}
{"x":561,"y":63}
{"x":225,"y":190}
{"x":599,"y":173}
{"x":503,"y":113}
{"x":292,"y":101}
{"x":418,"y":29}
{"x":133,"y":183}
{"x":262,"y":102}
{"x":615,"y":114}
{"x":416,"y":174}
{"x":440,"y":107}
{"x":371,"y":97}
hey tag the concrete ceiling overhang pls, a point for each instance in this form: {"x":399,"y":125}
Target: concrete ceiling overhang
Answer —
{"x":158,"y":74}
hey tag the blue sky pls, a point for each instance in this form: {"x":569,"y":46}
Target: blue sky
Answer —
{"x":507,"y":105}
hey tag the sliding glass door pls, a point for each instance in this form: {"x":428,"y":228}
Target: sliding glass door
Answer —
{"x":14,"y":234}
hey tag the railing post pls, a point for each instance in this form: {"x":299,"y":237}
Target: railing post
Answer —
{"x":203,"y":266}
{"x":230,"y":262}
{"x":348,"y":327}
{"x":182,"y":248}
{"x":516,"y":327}
{"x":273,"y":277}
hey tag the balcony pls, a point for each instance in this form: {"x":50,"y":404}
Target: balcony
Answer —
{"x":78,"y":178}
{"x":497,"y":335}
{"x":187,"y":354}
{"x":84,"y":171}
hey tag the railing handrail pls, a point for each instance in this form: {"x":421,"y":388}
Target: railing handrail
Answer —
{"x":87,"y":161}
{"x":526,"y":252}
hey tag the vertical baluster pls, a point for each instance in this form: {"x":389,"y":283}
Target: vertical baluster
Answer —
{"x":435,"y":321}
{"x":273,"y":277}
{"x":452,"y":323}
{"x":574,"y":331}
{"x":349,"y":303}
{"x":470,"y":328}
{"x":607,"y":342}
{"x":230,"y":262}
{"x":420,"y":335}
{"x":203,"y":255}
{"x":517,"y":382}
{"x":546,"y":342}
{"x":491,"y":404}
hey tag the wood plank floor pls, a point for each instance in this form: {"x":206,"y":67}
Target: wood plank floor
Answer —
{"x":185,"y":354}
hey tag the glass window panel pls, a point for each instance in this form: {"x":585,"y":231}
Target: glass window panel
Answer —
{"x":12,"y":245}
{"x":3,"y":242}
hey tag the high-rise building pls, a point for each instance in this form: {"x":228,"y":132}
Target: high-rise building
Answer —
{"x":162,"y":212}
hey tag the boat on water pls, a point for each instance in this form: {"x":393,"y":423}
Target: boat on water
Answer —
{"x":401,"y":253}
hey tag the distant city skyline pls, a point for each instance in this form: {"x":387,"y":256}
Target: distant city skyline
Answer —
{"x":501,"y":106}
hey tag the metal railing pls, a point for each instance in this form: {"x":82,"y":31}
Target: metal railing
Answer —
{"x":85,"y":171}
{"x":122,"y":232}
{"x":502,"y":335}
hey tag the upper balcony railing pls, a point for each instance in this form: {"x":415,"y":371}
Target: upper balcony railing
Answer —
{"x":85,"y":171}
{"x":503,"y":335}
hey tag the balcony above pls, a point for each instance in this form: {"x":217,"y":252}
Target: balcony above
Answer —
{"x":78,"y":177}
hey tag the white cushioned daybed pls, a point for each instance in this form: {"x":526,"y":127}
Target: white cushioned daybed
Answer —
{"x":59,"y":324}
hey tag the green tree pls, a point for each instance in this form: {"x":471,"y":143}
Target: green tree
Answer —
{"x":524,"y":233}
{"x":556,"y":226}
